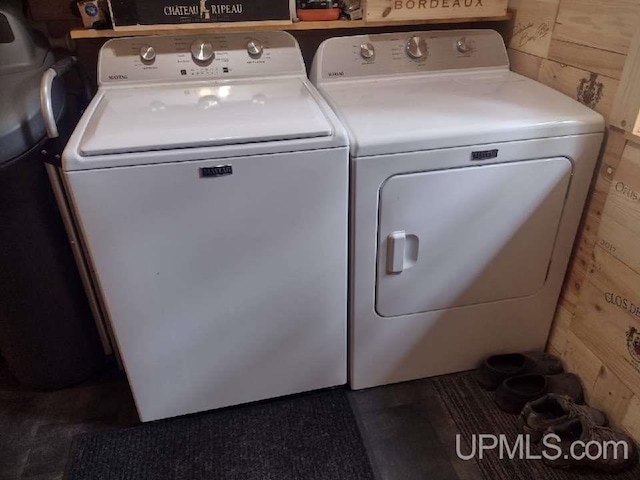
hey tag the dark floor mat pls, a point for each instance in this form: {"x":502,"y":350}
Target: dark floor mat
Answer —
{"x":474,"y":412}
{"x":306,"y":437}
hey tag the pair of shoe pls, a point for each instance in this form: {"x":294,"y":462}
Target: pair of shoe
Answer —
{"x":520,"y":378}
{"x":563,"y":423}
{"x":550,"y":404}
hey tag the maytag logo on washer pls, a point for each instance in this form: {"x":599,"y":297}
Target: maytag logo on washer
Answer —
{"x":217,"y":171}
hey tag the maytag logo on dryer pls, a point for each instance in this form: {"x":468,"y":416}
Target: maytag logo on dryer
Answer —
{"x":336,"y":74}
{"x":118,"y":76}
{"x":484,"y":155}
{"x":217,"y":171}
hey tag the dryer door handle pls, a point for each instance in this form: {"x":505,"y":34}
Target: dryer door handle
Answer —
{"x":396,"y":245}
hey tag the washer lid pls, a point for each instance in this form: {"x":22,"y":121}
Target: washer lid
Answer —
{"x":147,"y":118}
{"x":426,"y":112}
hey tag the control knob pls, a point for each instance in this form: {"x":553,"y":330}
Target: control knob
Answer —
{"x":417,"y":48}
{"x":202,"y":52}
{"x":147,"y":54}
{"x":255,"y":48}
{"x":367,"y":51}
{"x":463,"y":45}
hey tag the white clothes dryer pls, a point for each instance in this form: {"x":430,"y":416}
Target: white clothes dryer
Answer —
{"x":468,"y":182}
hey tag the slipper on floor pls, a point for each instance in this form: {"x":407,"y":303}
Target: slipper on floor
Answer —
{"x":498,"y":368}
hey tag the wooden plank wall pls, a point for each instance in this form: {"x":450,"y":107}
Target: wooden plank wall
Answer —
{"x":581,"y":47}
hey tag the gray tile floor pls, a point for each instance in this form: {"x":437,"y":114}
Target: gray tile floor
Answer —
{"x":37,"y":428}
{"x":408,"y":433}
{"x":406,"y":430}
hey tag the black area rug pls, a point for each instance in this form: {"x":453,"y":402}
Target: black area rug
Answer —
{"x":474,"y":412}
{"x":306,"y":437}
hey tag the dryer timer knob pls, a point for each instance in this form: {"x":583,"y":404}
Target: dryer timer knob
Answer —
{"x":417,"y":48}
{"x":463,"y":46}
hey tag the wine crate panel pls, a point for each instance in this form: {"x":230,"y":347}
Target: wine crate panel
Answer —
{"x":607,"y":319}
{"x":592,"y":59}
{"x":533,"y":24}
{"x":603,"y":24}
{"x":524,"y":63}
{"x":619,"y":230}
{"x":390,"y":10}
{"x":626,"y":109}
{"x":593,"y":90}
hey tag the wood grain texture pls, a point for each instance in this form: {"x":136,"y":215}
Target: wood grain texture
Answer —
{"x":626,"y":109}
{"x":525,"y":64}
{"x":603,"y":24}
{"x":619,"y":231}
{"x":609,"y":308}
{"x":560,"y":329}
{"x":593,"y":90}
{"x":610,"y":394}
{"x":631,"y":420}
{"x":633,"y":138}
{"x":587,"y":58}
{"x":384,"y":10}
{"x":533,"y":24}
{"x":579,"y":359}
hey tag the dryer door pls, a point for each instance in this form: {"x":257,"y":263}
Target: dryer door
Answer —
{"x":470,"y":235}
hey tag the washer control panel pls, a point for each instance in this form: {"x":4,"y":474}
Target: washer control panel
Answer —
{"x":194,"y":57}
{"x":408,"y":53}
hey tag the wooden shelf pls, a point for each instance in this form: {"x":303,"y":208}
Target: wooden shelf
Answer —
{"x":142,"y":30}
{"x":632,"y":137}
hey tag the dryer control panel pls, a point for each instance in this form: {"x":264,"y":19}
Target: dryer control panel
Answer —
{"x":197,"y":57}
{"x":408,"y":53}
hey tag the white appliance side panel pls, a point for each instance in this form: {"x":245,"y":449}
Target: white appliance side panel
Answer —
{"x":222,"y":290}
{"x":465,"y":236}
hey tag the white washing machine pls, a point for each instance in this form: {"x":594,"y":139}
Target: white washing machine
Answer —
{"x":210,"y":181}
{"x":467,"y":186}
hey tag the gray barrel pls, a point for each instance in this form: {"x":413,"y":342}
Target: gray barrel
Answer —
{"x":47,"y":333}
